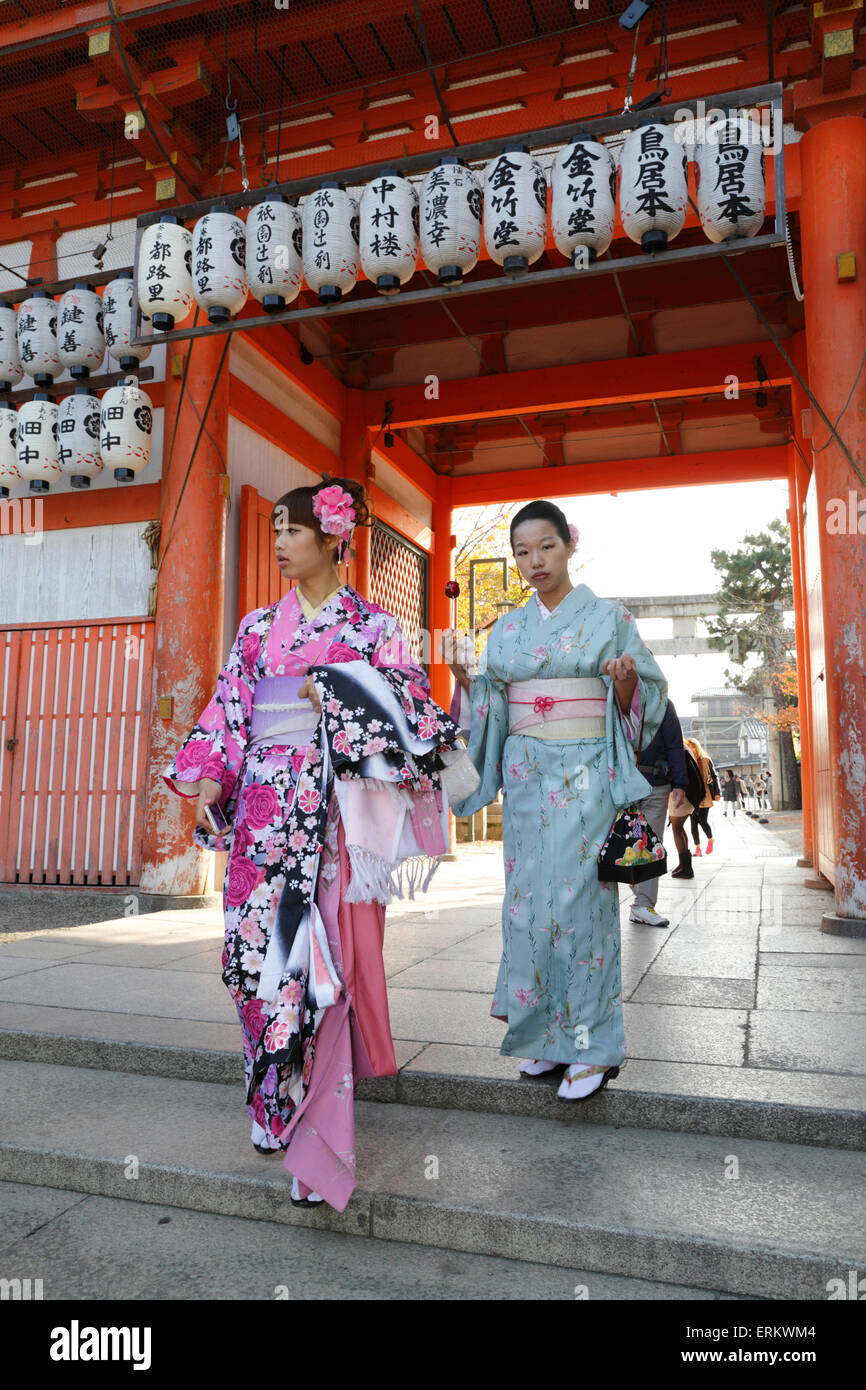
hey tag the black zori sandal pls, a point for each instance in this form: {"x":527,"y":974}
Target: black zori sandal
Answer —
{"x":266,"y":1152}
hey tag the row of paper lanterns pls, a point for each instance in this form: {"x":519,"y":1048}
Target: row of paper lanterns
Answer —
{"x":223,"y":259}
{"x":42,"y":442}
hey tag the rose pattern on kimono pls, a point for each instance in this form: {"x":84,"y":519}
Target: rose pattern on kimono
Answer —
{"x":272,"y":796}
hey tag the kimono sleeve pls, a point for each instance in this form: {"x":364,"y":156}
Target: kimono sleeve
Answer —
{"x":649,"y":702}
{"x":216,"y":745}
{"x":488,"y":729}
{"x":393,"y":660}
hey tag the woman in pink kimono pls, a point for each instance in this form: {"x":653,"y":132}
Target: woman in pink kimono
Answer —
{"x":321,"y":747}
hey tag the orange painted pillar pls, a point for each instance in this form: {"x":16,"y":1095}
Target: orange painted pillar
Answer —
{"x":800,"y":473}
{"x":188,"y":651}
{"x":833,"y":221}
{"x":440,"y":608}
{"x":795,"y":521}
{"x":355,"y":453}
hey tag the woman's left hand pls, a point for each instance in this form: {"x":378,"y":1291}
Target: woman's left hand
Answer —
{"x":309,"y":692}
{"x":620,"y":668}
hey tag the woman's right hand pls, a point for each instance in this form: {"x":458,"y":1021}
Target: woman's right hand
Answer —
{"x":449,"y":656}
{"x":209,"y":791}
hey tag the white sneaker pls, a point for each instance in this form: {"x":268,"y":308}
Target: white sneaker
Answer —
{"x":580,"y":1082}
{"x":648,"y":917}
{"x":531,"y":1067}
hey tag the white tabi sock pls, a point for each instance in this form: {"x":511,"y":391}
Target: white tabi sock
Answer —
{"x":576,"y":1083}
{"x":311,"y":1196}
{"x":535,"y":1068}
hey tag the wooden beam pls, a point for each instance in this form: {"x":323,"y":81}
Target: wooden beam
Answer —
{"x":396,"y":516}
{"x":407,"y":463}
{"x":263,"y":417}
{"x":281,"y":348}
{"x":622,"y":475}
{"x":98,"y":506}
{"x":578,"y":385}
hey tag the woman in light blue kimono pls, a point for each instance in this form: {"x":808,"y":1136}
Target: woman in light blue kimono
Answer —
{"x":553,"y":716}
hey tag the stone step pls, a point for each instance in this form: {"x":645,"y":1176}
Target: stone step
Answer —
{"x":98,"y":1248}
{"x":782,"y":1119}
{"x":746,"y":1217}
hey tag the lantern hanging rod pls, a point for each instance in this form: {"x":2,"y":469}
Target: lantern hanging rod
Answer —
{"x":90,"y":277}
{"x":66,"y":388}
{"x":530,"y":280}
{"x":483,"y":149}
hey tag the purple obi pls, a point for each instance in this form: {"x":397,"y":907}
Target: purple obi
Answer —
{"x":278,"y":715}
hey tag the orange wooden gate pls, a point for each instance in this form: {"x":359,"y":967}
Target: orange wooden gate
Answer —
{"x":73,"y":750}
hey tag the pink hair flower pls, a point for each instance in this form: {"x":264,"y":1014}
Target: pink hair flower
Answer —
{"x":573,"y":532}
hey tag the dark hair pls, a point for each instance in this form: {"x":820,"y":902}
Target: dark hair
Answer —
{"x":298,"y":504}
{"x":542,"y":511}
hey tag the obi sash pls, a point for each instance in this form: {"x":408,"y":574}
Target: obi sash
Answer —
{"x":566,"y":708}
{"x":278,"y":716}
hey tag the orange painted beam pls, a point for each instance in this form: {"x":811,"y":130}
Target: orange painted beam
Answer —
{"x":579,"y":385}
{"x":622,"y":475}
{"x":62,"y":510}
{"x":396,"y":516}
{"x":279,"y":345}
{"x":407,"y":463}
{"x":260,"y":415}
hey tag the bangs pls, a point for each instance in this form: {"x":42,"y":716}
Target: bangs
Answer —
{"x":295,"y":508}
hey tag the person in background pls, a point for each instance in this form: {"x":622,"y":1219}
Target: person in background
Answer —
{"x":741,"y":792}
{"x":729,"y":791}
{"x":700,"y":816}
{"x":663,"y":764}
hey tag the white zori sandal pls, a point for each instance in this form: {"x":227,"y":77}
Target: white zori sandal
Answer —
{"x":530,"y":1067}
{"x":297,"y":1200}
{"x":581,"y":1082}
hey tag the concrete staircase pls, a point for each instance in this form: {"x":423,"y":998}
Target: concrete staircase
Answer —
{"x":699,"y":1196}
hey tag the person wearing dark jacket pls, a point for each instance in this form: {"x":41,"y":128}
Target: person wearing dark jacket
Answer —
{"x":729,"y":791}
{"x":663,"y":764}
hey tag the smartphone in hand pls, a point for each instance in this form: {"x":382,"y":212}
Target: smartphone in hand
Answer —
{"x":216,"y":818}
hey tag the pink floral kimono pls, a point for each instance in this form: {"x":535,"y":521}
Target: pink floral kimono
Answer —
{"x":323,"y":825}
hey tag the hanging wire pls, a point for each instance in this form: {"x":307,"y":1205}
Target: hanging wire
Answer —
{"x":265,"y":179}
{"x":196,"y":192}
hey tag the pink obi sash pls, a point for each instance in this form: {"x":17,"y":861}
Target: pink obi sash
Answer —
{"x":575,"y":706}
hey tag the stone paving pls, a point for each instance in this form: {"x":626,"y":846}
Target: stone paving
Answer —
{"x":741,"y":996}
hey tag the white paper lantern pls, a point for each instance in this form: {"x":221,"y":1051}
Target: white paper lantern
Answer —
{"x":126,"y":426}
{"x":653,"y":185}
{"x":78,"y":426}
{"x":10,"y":476}
{"x":11,"y":370}
{"x":36,"y":332}
{"x":731,"y":178}
{"x":80,"y":343}
{"x":36,"y":446}
{"x":515,"y":209}
{"x":583,"y":180}
{"x":273,"y":260}
{"x":219,"y":277}
{"x":165,"y":272}
{"x":117,"y":325}
{"x":451,"y":213}
{"x":389,"y":231}
{"x":331,"y":228}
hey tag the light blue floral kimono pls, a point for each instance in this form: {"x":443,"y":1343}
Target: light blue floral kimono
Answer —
{"x":559,"y":986}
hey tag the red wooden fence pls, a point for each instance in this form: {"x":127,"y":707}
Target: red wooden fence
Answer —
{"x":73,"y":750}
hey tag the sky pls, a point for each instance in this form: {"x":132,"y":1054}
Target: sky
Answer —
{"x":658,"y":541}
